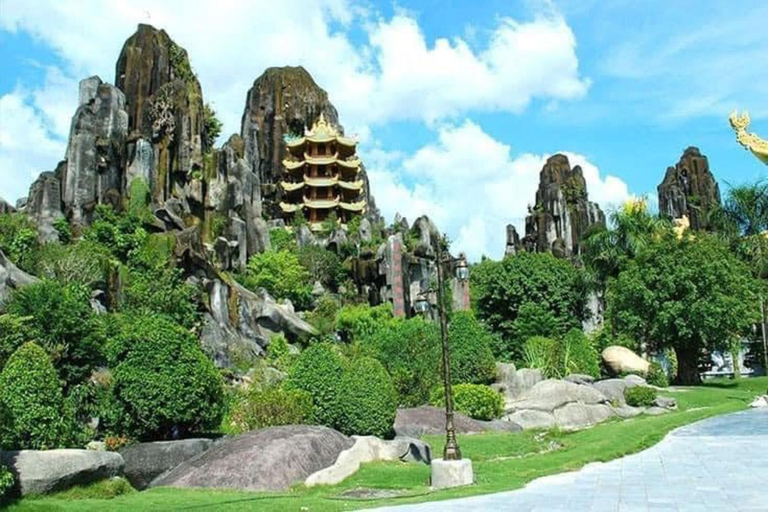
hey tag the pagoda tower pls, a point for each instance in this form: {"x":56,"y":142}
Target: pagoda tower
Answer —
{"x":322,"y":175}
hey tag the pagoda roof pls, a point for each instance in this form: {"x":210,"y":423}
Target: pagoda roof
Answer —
{"x":321,"y":132}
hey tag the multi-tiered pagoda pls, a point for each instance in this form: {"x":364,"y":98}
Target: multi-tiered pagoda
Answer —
{"x":322,"y":175}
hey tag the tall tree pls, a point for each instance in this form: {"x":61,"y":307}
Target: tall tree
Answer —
{"x":690,"y":294}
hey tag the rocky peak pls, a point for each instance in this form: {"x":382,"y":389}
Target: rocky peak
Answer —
{"x":689,"y":189}
{"x":563,"y":213}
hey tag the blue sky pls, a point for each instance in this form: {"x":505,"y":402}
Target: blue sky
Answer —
{"x":456,"y":104}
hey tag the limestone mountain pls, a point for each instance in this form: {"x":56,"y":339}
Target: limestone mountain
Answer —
{"x":562,"y":214}
{"x":689,"y":189}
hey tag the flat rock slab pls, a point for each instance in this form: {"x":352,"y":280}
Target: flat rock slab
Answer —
{"x":575,"y":415}
{"x":271,"y":459}
{"x":715,"y":464}
{"x":146,"y":461}
{"x":46,"y":471}
{"x":428,"y":420}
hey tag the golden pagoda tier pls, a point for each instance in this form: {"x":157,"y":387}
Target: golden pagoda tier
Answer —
{"x":321,"y":175}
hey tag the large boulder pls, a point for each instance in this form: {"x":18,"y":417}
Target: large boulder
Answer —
{"x":531,"y":419}
{"x":613,"y":389}
{"x":551,"y":394}
{"x":146,"y":461}
{"x":576,"y":415}
{"x":271,"y":459}
{"x":45,"y":471}
{"x":512,"y":382}
{"x":429,"y":420}
{"x":622,"y":360}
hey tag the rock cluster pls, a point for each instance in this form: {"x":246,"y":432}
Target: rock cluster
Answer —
{"x":562,"y":214}
{"x":689,"y":189}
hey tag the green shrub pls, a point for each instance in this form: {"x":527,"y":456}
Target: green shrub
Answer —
{"x":579,"y":355}
{"x":64,"y":230}
{"x":120,"y":234}
{"x":318,"y":371}
{"x":471,"y":358}
{"x":542,"y":353}
{"x":640,"y":396}
{"x":161,"y":291}
{"x":62,"y":322}
{"x":269,"y":407}
{"x":31,"y":402}
{"x":212,"y":126}
{"x":7,"y":483}
{"x":163,"y":386}
{"x":367,"y":400}
{"x":101,"y":490}
{"x":474,"y":400}
{"x":85,"y":262}
{"x":278,"y":353}
{"x":355,"y":322}
{"x":282,"y":240}
{"x":322,"y":265}
{"x":14,"y":332}
{"x":410,"y":351}
{"x":656,"y":376}
{"x":323,"y":317}
{"x":281,"y":274}
{"x":19,"y":240}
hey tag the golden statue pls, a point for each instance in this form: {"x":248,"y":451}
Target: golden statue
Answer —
{"x":750,"y":141}
{"x":681,"y":225}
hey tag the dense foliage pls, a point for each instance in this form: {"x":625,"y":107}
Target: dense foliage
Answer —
{"x":164,"y":386}
{"x":86,"y":262}
{"x":689,"y":295}
{"x":562,"y":356}
{"x":260,"y":408}
{"x":32,"y":414}
{"x":357,"y":322}
{"x":410,"y":351}
{"x":7,"y":483}
{"x":657,"y":376}
{"x":18,"y":240}
{"x":318,"y":371}
{"x":501,"y":288}
{"x":367,"y":399}
{"x":470,"y":343}
{"x":281,"y":274}
{"x":474,"y":400}
{"x":640,"y":396}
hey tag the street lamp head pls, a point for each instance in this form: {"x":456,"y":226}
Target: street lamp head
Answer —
{"x":462,"y":269}
{"x":421,"y":305}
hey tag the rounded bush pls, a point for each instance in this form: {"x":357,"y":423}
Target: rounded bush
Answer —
{"x":657,"y":376}
{"x":367,"y":399}
{"x":164,"y":387}
{"x":474,"y":400}
{"x":318,"y":371}
{"x":31,"y":404}
{"x":472,"y":360}
{"x":640,"y":396}
{"x":268,"y":408}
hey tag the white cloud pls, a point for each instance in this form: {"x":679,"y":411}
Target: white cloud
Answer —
{"x":394,"y":74}
{"x":473,"y":195}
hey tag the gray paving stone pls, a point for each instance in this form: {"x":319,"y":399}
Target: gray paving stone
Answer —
{"x":715,"y":464}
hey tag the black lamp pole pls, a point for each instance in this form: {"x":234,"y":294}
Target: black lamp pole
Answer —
{"x":451,"y":450}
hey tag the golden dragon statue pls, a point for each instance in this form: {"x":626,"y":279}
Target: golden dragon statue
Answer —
{"x":758,"y":146}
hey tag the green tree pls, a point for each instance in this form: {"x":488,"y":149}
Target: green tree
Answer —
{"x":323,"y":266}
{"x":500,"y":288}
{"x":689,"y":295}
{"x":33,"y":415}
{"x":211,"y":127}
{"x":164,"y":386}
{"x":318,"y":371}
{"x":472,"y":361}
{"x":14,"y":332}
{"x":368,"y":401}
{"x":281,"y":274}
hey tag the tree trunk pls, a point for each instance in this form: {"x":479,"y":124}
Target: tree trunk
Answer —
{"x":688,"y":366}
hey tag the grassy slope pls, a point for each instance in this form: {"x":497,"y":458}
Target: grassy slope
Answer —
{"x":501,"y":462}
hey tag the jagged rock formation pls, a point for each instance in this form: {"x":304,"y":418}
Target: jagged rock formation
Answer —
{"x":43,"y":205}
{"x":563,"y":213}
{"x":689,"y":189}
{"x":513,"y":241}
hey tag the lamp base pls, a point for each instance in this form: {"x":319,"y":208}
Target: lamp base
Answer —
{"x":452,"y":473}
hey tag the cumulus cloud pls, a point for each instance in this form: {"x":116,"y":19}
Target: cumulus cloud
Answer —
{"x":473,"y":195}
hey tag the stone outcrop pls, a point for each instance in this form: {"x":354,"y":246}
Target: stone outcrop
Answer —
{"x":271,"y":459}
{"x":46,"y":471}
{"x":146,"y":461}
{"x":689,"y":189}
{"x":563,"y":214}
{"x":429,"y":420}
{"x":44,"y":204}
{"x":11,"y":278}
{"x":513,"y":241}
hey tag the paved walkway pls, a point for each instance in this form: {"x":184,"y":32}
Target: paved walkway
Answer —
{"x":719,"y":464}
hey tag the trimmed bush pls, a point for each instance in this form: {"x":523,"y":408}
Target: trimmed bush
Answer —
{"x":31,"y":403}
{"x":14,"y":332}
{"x":367,"y":400}
{"x":410,"y":351}
{"x":474,"y":400}
{"x":318,"y":371}
{"x":164,"y":387}
{"x":640,"y":396}
{"x":657,"y":376}
{"x":268,"y":408}
{"x":355,"y":322}
{"x":472,"y":360}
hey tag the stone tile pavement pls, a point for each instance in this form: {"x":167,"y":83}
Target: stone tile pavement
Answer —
{"x":718,"y":464}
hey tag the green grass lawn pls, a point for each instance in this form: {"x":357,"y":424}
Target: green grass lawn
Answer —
{"x":502,"y":461}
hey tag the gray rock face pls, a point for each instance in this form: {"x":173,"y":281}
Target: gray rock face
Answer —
{"x":5,"y":207}
{"x":576,"y":415}
{"x":414,"y":450}
{"x":689,"y":189}
{"x":613,"y":389}
{"x":11,"y":278}
{"x":428,"y":236}
{"x":45,"y":471}
{"x":578,"y":378}
{"x":514,"y":245}
{"x":428,"y":420}
{"x":95,"y":152}
{"x":146,"y":461}
{"x":531,"y":418}
{"x":665,"y":402}
{"x":44,"y":203}
{"x":271,"y":459}
{"x":552,"y":394}
{"x":562,"y":214}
